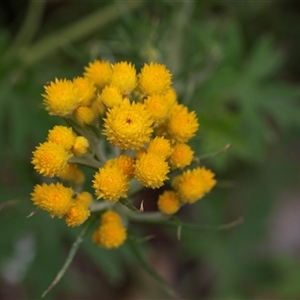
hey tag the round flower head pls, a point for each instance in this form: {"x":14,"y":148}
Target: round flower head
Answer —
{"x":168,"y":202}
{"x":77,"y":215}
{"x":181,"y":124}
{"x":182,"y":156}
{"x":111,"y":216}
{"x":154,"y":79}
{"x":80,"y":146}
{"x":160,"y":146}
{"x":99,"y":72}
{"x":62,"y":135}
{"x":151,"y":170}
{"x":128,"y":125}
{"x":111,"y":96}
{"x":124,"y":77}
{"x":84,"y":198}
{"x":110,"y":183}
{"x":85,"y":90}
{"x":157,"y":106}
{"x":110,"y":235}
{"x":192,"y":185}
{"x":60,"y":97}
{"x":84,"y":115}
{"x":54,"y":198}
{"x":73,"y":174}
{"x":125,"y":163}
{"x":49,"y":159}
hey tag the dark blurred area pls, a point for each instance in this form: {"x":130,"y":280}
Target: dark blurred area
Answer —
{"x":237,"y":64}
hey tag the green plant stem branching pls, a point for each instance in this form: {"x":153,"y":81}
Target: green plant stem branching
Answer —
{"x":71,"y":254}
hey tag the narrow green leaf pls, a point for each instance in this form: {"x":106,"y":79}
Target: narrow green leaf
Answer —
{"x":164,"y":285}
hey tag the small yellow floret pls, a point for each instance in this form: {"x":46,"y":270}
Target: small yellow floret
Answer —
{"x":182,"y":156}
{"x":99,"y":72}
{"x":181,"y":124}
{"x":54,"y":198}
{"x":77,"y":215}
{"x":128,"y":125}
{"x":60,"y":97}
{"x":49,"y":159}
{"x":110,"y":216}
{"x":80,"y":146}
{"x":110,"y":235}
{"x":125,"y":163}
{"x":85,"y":90}
{"x":124,"y":77}
{"x":84,"y":115}
{"x":110,"y":183}
{"x":62,"y":135}
{"x":151,"y":170}
{"x":154,"y":79}
{"x":192,"y":185}
{"x":160,"y":146}
{"x":170,"y":97}
{"x":168,"y":202}
{"x":73,"y":174}
{"x":84,"y":198}
{"x":157,"y":106}
{"x":111,"y":96}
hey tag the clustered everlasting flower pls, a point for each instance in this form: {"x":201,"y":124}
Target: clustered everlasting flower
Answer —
{"x":130,"y":128}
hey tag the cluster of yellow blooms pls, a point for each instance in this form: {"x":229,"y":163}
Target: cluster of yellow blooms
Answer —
{"x":140,"y":118}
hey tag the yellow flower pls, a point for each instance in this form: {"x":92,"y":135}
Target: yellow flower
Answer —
{"x":60,"y":97}
{"x":124,"y":77}
{"x":77,"y":215}
{"x":111,"y":216}
{"x":110,"y":235}
{"x":157,"y":106}
{"x":151,"y":170}
{"x":170,"y":97}
{"x":128,"y":125}
{"x":73,"y":174}
{"x":168,"y":202}
{"x":62,"y":135}
{"x":99,"y":72}
{"x":154,"y":79}
{"x":111,"y":96}
{"x":85,"y":90}
{"x":125,"y":163}
{"x":84,"y":115}
{"x":181,"y":124}
{"x":181,"y":156}
{"x":84,"y":198}
{"x":54,"y":198}
{"x":160,"y":146}
{"x":80,"y":146}
{"x":49,"y":159}
{"x":110,"y":183}
{"x":192,"y":185}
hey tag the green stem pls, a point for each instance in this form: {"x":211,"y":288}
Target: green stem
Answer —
{"x":216,"y":153}
{"x":181,"y":21}
{"x":71,"y":254}
{"x":74,"y":32}
{"x":29,"y":27}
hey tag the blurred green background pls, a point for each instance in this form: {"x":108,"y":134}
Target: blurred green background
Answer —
{"x":237,"y":64}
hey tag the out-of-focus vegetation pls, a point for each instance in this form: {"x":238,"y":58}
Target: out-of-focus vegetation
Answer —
{"x":237,"y":65}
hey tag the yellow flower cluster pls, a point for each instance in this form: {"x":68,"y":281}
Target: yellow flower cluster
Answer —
{"x":61,"y":201}
{"x":138,"y":117}
{"x":111,"y":232}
